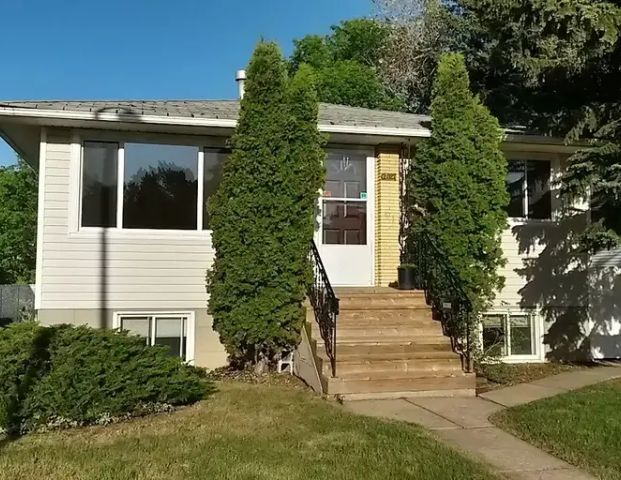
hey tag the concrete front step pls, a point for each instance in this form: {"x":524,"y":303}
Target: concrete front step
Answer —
{"x":349,"y":367}
{"x":390,"y":351}
{"x":392,"y":316}
{"x":380,"y":332}
{"x":387,"y":340}
{"x":356,"y":324}
{"x":393,"y":384}
{"x":376,"y":292}
{"x":388,"y":346}
{"x":363,"y":306}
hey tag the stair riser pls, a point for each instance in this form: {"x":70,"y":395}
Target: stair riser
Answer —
{"x":346,"y":293}
{"x":383,"y":320}
{"x":336,"y":386}
{"x":371,"y":341}
{"x":418,"y":366}
{"x":378,"y":357}
{"x":381,"y":332}
{"x":384,"y":306}
{"x":461,"y":393}
{"x":345,"y":350}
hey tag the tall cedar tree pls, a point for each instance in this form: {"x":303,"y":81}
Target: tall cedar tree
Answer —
{"x":263,"y":214}
{"x":458,"y":180}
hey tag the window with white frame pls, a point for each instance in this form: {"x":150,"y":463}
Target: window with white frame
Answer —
{"x":99,"y":184}
{"x":148,"y":186}
{"x":528,"y":183}
{"x":344,"y":199}
{"x":510,"y":334}
{"x":173,"y":330}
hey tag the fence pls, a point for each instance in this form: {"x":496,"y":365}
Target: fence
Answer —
{"x":16,"y":302}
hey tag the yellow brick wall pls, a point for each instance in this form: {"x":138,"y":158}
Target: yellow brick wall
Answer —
{"x":387,"y":215}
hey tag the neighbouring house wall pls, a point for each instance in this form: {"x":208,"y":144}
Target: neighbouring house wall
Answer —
{"x":84,"y":273}
{"x":547,"y":272}
{"x":387,"y":215}
{"x":605,"y":304}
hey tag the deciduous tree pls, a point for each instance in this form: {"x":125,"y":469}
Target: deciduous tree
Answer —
{"x":18,"y":223}
{"x":346,"y":64}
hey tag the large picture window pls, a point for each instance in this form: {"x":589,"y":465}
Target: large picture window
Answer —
{"x":148,"y":186}
{"x":160,"y":186}
{"x":528,"y":183}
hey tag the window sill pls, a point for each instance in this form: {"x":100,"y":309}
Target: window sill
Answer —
{"x":522,"y":359}
{"x":131,"y":234}
{"x":530,"y":221}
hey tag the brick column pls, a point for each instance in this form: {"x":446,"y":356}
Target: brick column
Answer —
{"x":387,"y":215}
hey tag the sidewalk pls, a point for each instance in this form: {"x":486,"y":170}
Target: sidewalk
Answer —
{"x":463,"y":423}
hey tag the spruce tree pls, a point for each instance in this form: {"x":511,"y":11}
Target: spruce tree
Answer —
{"x":458,"y":181}
{"x":263,"y":214}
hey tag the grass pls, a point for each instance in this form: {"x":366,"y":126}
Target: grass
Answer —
{"x":504,"y":374}
{"x":260,"y":431}
{"x":581,"y":427}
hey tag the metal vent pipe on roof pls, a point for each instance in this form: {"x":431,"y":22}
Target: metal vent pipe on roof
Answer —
{"x":240,"y":78}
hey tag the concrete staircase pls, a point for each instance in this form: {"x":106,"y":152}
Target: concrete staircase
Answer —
{"x":388,"y":346}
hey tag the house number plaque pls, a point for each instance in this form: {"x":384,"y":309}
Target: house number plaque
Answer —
{"x":389,"y":177}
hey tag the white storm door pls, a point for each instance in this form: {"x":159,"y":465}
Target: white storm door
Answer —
{"x":346,"y":233}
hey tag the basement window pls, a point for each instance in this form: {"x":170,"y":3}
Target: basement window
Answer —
{"x":172,"y":330}
{"x":510,"y":335}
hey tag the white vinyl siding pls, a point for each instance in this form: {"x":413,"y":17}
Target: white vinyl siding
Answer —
{"x":543,"y":273}
{"x":605,"y":304}
{"x":533,"y":250}
{"x":143,"y":269}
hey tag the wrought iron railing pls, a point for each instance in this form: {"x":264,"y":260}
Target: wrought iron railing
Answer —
{"x":325,"y":304}
{"x":445,"y":292}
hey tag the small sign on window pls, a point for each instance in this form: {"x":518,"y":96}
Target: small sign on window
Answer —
{"x":363,"y":195}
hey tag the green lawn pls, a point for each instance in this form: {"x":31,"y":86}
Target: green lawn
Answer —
{"x":581,"y":427}
{"x":260,"y":431}
{"x":502,"y":375}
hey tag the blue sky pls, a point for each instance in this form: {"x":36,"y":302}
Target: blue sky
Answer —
{"x":152,"y":49}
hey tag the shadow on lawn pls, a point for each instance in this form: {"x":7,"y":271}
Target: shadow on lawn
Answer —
{"x":579,"y":302}
{"x":30,"y":372}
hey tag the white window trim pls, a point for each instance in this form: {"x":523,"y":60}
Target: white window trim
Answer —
{"x":191,"y":339}
{"x":369,"y":201}
{"x":118,"y":231}
{"x":526,"y":218}
{"x":538,"y":353}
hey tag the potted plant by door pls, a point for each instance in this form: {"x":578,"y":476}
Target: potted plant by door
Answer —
{"x":407,"y":276}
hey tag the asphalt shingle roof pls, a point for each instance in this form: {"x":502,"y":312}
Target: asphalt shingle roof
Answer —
{"x":227,"y":109}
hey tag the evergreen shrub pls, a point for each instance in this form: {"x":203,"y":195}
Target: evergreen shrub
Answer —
{"x":458,"y":182}
{"x":62,"y":376}
{"x":263,"y":214}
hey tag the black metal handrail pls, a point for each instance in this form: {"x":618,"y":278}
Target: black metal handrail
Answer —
{"x":445,"y":292}
{"x":325,"y":304}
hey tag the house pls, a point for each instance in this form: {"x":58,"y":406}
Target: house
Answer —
{"x":115,"y":249}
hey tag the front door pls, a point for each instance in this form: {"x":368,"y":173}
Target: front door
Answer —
{"x":345,"y":236}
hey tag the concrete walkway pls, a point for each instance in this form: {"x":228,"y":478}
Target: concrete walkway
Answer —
{"x":463,"y":423}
